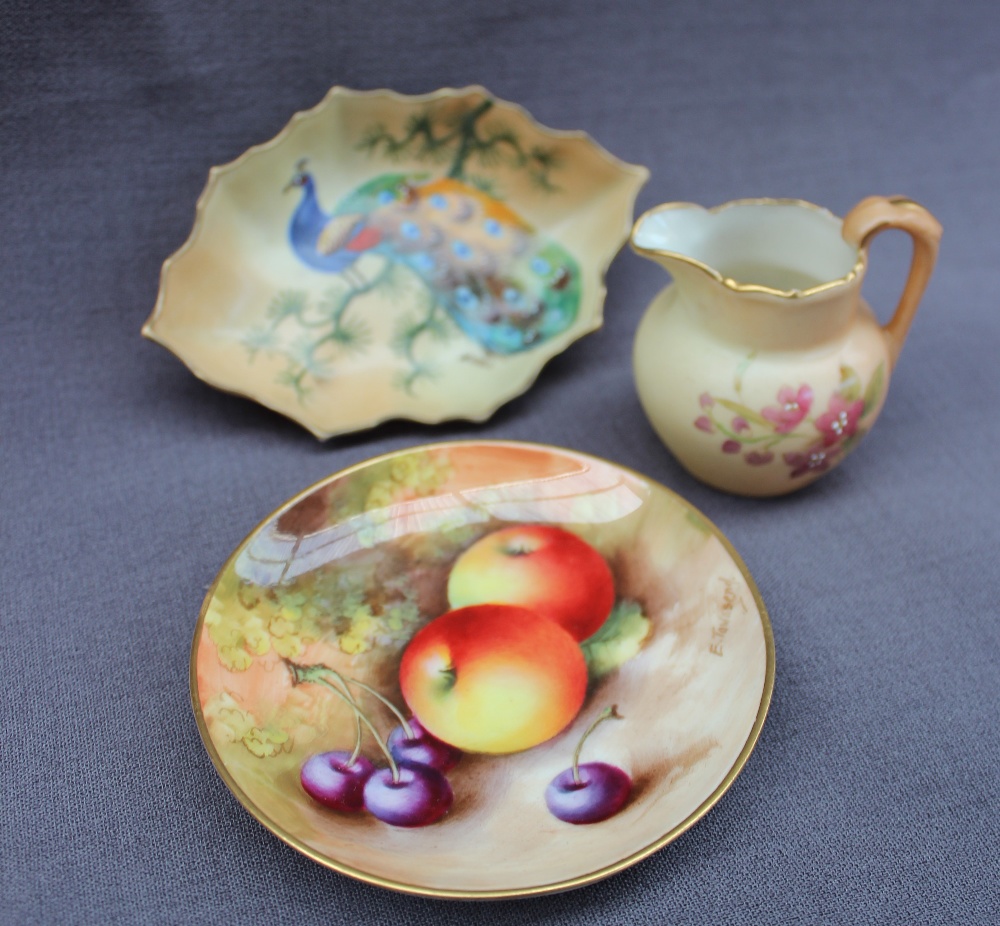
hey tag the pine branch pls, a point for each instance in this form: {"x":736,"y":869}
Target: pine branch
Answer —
{"x":461,"y":133}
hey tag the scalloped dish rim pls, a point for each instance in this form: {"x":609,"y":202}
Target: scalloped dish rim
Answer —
{"x":154,"y":330}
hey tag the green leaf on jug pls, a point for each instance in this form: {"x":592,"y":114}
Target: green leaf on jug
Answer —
{"x":850,"y":383}
{"x":741,"y":371}
{"x":874,"y":391}
{"x":748,"y":413}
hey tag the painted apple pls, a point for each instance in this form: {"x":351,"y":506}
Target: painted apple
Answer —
{"x":540,"y":567}
{"x":493,"y":678}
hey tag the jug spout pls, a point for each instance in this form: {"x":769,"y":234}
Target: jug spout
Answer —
{"x":784,"y":248}
{"x":770,"y":274}
{"x":669,"y":236}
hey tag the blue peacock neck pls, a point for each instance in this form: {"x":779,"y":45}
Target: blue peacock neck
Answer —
{"x":309,"y":218}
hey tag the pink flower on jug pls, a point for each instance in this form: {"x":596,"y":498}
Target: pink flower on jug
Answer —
{"x":815,"y":459}
{"x":705,"y":400}
{"x":704,"y":423}
{"x":731,"y":446}
{"x":758,"y":458}
{"x":740,"y":424}
{"x":840,"y":420}
{"x":793,"y":408}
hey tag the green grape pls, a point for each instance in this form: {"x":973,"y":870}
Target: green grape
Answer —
{"x":358,"y":638}
{"x":287,"y":647}
{"x":265,"y":742}
{"x":235,"y":725}
{"x":353,"y":603}
{"x":235,"y":658}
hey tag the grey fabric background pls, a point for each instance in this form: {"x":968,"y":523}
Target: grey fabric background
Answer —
{"x":125,"y":482}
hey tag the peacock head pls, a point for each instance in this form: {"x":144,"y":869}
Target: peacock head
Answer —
{"x":301,"y":179}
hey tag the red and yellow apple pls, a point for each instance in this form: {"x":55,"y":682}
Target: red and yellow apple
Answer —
{"x":543,"y":568}
{"x":493,"y":678}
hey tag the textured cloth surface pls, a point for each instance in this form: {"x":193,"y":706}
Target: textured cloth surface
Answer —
{"x":125,"y":482}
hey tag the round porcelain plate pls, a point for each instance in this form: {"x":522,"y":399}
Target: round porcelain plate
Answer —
{"x":328,"y":593}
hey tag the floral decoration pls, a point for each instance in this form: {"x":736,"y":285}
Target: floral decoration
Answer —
{"x":826,"y":436}
{"x":792,"y":408}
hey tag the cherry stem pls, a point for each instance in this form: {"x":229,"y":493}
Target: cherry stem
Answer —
{"x":357,"y":741}
{"x":318,"y":675}
{"x":407,"y":729}
{"x":357,"y":719}
{"x":608,"y":713}
{"x":361,"y":718}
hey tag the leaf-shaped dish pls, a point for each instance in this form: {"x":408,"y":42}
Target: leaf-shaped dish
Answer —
{"x":337,"y":601}
{"x":390,"y":256}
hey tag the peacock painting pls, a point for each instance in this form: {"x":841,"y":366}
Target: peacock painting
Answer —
{"x":484,"y":271}
{"x":396,"y":257}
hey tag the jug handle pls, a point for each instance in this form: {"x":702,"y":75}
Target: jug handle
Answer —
{"x":877,"y":213}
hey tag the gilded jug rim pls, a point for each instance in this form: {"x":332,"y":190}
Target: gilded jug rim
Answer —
{"x":853,"y":274}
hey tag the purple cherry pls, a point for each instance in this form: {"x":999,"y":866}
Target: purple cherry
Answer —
{"x":421,"y":795}
{"x":590,"y":792}
{"x":601,"y":792}
{"x":422,"y":748}
{"x":332,"y":779}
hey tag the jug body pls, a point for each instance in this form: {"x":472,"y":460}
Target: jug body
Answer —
{"x":760,"y":366}
{"x":752,"y":419}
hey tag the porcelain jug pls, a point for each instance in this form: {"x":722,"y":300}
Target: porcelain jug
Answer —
{"x":761,"y":366}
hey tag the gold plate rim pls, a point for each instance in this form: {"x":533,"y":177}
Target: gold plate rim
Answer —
{"x":505,"y":893}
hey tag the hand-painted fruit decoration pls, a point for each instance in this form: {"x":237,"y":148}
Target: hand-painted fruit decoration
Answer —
{"x":408,"y":793}
{"x":590,"y":792}
{"x":501,"y":674}
{"x":337,"y":779}
{"x":412,"y":743}
{"x":546,"y":569}
{"x":411,"y":795}
{"x":493,"y":678}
